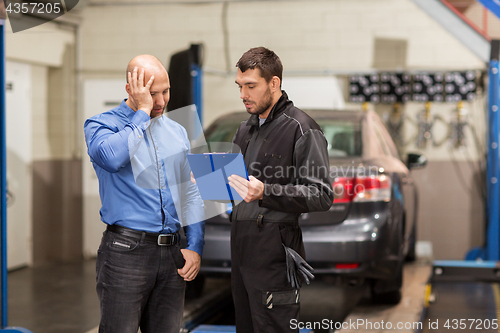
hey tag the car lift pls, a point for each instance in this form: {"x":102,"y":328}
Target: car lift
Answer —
{"x":466,"y":294}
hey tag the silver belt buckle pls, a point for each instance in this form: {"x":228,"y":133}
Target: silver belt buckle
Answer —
{"x":162,"y":240}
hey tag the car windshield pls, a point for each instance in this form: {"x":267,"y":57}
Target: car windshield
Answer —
{"x":221,"y":135}
{"x":343,"y":136}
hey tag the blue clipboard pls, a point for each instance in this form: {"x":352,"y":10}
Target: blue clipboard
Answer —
{"x":211,"y":171}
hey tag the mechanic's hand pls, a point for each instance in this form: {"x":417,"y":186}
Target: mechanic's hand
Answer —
{"x":192,"y":265}
{"x":249,"y":190}
{"x":192,"y":178}
{"x":139,"y":93}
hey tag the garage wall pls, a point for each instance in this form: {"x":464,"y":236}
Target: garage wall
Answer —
{"x":51,"y":194}
{"x":307,"y":35}
{"x":311,"y":38}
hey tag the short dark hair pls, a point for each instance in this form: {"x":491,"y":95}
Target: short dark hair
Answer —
{"x":264,"y":59}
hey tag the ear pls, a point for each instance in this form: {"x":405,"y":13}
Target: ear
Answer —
{"x":127,"y":88}
{"x":275,"y":84}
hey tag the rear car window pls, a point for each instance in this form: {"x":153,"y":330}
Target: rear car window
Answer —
{"x":220,"y":134}
{"x":344,"y":137}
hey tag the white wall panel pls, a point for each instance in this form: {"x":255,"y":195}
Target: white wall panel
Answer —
{"x":314,"y":92}
{"x":19,"y":161}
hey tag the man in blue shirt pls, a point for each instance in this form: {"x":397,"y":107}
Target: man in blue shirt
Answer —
{"x":139,"y":156}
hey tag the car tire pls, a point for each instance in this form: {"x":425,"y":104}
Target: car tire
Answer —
{"x":389,"y":298}
{"x":412,"y":244}
{"x":389,"y":295}
{"x":194,"y":288}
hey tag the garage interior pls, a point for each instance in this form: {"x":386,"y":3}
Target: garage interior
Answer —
{"x":337,"y":55}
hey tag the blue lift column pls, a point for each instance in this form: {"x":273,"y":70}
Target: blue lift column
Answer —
{"x":493,"y":162}
{"x":492,"y":251}
{"x":197,"y":84}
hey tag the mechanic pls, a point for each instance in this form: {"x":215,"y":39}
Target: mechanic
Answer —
{"x":139,"y":156}
{"x":291,"y":148}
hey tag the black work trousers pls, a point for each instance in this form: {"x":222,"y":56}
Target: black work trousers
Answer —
{"x":264,"y":300}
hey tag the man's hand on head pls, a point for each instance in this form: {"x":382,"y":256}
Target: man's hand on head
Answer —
{"x":139,"y":93}
{"x":250,"y":190}
{"x":192,"y":265}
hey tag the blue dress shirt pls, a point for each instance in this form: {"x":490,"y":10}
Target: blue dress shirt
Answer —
{"x":144,"y":176}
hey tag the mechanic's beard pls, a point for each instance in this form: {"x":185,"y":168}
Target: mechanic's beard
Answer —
{"x":264,"y":105}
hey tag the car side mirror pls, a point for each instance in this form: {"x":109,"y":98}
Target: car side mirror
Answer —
{"x":416,"y":161}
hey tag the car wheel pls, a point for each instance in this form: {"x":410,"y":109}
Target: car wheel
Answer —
{"x":194,"y":288}
{"x":388,"y":291}
{"x":390,"y":298}
{"x":411,"y":255}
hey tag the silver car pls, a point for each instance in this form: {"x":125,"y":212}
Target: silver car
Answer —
{"x":370,"y":229}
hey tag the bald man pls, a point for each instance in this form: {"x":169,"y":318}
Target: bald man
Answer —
{"x":139,"y":156}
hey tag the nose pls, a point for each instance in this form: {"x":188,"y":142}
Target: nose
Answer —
{"x":243,"y":93}
{"x":159,"y":101}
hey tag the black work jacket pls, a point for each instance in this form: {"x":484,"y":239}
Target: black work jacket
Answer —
{"x":288,"y":153}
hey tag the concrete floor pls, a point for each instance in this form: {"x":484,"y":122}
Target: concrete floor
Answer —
{"x":54,"y":298}
{"x":62,"y":298}
{"x":402,"y":318}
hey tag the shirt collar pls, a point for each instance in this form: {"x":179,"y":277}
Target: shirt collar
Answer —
{"x":276,"y":111}
{"x":126,"y":109}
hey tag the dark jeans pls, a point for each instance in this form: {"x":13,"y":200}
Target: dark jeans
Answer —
{"x":138,"y":286}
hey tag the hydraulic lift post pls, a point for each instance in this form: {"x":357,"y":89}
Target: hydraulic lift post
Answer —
{"x":493,"y":165}
{"x":480,"y":272}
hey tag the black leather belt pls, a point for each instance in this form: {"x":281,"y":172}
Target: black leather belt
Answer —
{"x":160,"y":239}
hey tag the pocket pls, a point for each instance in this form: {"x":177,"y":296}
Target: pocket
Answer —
{"x":291,"y":236}
{"x":122,"y":244}
{"x":286,"y":234}
{"x":274,"y":170}
{"x":178,"y":258}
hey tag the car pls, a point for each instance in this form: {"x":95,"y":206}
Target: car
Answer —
{"x":370,"y":228}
